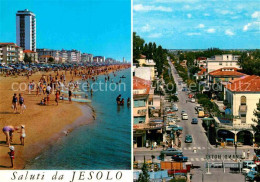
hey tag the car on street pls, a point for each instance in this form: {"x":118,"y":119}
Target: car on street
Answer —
{"x":194,"y":121}
{"x":185,"y":116}
{"x":192,"y":100}
{"x":188,"y":139}
{"x":171,"y":152}
{"x":251,"y":167}
{"x":179,"y":158}
{"x":175,"y":107}
{"x":251,"y":175}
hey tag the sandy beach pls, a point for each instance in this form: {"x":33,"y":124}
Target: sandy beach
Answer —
{"x":43,"y":124}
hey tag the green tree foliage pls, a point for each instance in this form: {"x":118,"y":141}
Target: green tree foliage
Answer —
{"x":144,"y":176}
{"x":27,"y":59}
{"x":256,"y":127}
{"x":150,"y":50}
{"x":250,"y":63}
{"x":137,"y":46}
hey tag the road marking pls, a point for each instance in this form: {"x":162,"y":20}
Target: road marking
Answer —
{"x":194,"y":147}
{"x":184,"y":148}
{"x":202,"y":159}
{"x":199,"y":148}
{"x":191,"y":159}
{"x":203,"y":148}
{"x":197,"y":159}
{"x":189,"y":148}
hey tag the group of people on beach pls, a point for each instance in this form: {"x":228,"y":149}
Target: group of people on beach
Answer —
{"x":18,"y":101}
{"x":8,"y":131}
{"x":53,"y":83}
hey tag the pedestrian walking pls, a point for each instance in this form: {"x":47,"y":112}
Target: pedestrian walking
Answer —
{"x":243,"y":154}
{"x":11,"y":155}
{"x":22,"y":134}
{"x":248,"y":154}
{"x":14,"y":103}
{"x":21,"y":103}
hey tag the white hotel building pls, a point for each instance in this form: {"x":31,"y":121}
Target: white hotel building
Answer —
{"x":222,"y":61}
{"x":26,"y":30}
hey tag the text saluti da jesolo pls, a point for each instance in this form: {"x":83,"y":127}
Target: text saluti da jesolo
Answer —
{"x":68,"y":177}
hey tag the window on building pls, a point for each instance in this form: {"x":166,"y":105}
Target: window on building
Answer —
{"x":220,"y":63}
{"x":139,"y":103}
{"x":139,"y":120}
{"x":243,"y":100}
{"x":243,"y":118}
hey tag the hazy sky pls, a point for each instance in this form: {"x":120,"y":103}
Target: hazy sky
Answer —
{"x":99,"y":27}
{"x":199,"y":23}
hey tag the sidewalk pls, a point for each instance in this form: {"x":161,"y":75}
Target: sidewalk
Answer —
{"x":144,"y":149}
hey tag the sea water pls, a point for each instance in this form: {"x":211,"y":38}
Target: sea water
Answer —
{"x":104,"y":143}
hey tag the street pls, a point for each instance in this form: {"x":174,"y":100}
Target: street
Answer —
{"x":199,"y":148}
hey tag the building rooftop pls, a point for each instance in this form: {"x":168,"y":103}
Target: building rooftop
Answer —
{"x":28,"y":51}
{"x":141,"y":84}
{"x":202,"y":71}
{"x":248,"y":83}
{"x":228,"y":71}
{"x":7,"y":43}
{"x":142,"y":56}
{"x":45,"y":56}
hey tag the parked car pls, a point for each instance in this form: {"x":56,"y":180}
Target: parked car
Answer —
{"x":175,"y":107}
{"x":188,"y":139}
{"x":171,"y":152}
{"x":192,"y":100}
{"x":251,"y":167}
{"x":183,"y":112}
{"x":185,"y":116}
{"x":201,"y":114}
{"x":180,"y":158}
{"x":251,"y":175}
{"x":194,"y":121}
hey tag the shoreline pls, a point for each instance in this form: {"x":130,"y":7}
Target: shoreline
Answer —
{"x":85,"y":119}
{"x":82,"y":115}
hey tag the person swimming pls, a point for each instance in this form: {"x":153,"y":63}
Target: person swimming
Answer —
{"x":122,"y":102}
{"x":118,"y":99}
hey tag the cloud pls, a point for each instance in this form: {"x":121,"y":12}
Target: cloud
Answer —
{"x":140,"y":7}
{"x":193,"y":33}
{"x":211,"y":30}
{"x":253,"y":25}
{"x":224,"y":12}
{"x":256,"y":14}
{"x":155,"y":35}
{"x":201,"y":26}
{"x":189,"y":15}
{"x":146,"y":28}
{"x":229,"y":32}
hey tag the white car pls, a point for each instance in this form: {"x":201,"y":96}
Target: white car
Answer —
{"x":185,"y":116}
{"x":249,"y":168}
{"x":192,"y":100}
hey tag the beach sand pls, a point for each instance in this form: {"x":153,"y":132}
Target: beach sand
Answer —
{"x":43,"y":124}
